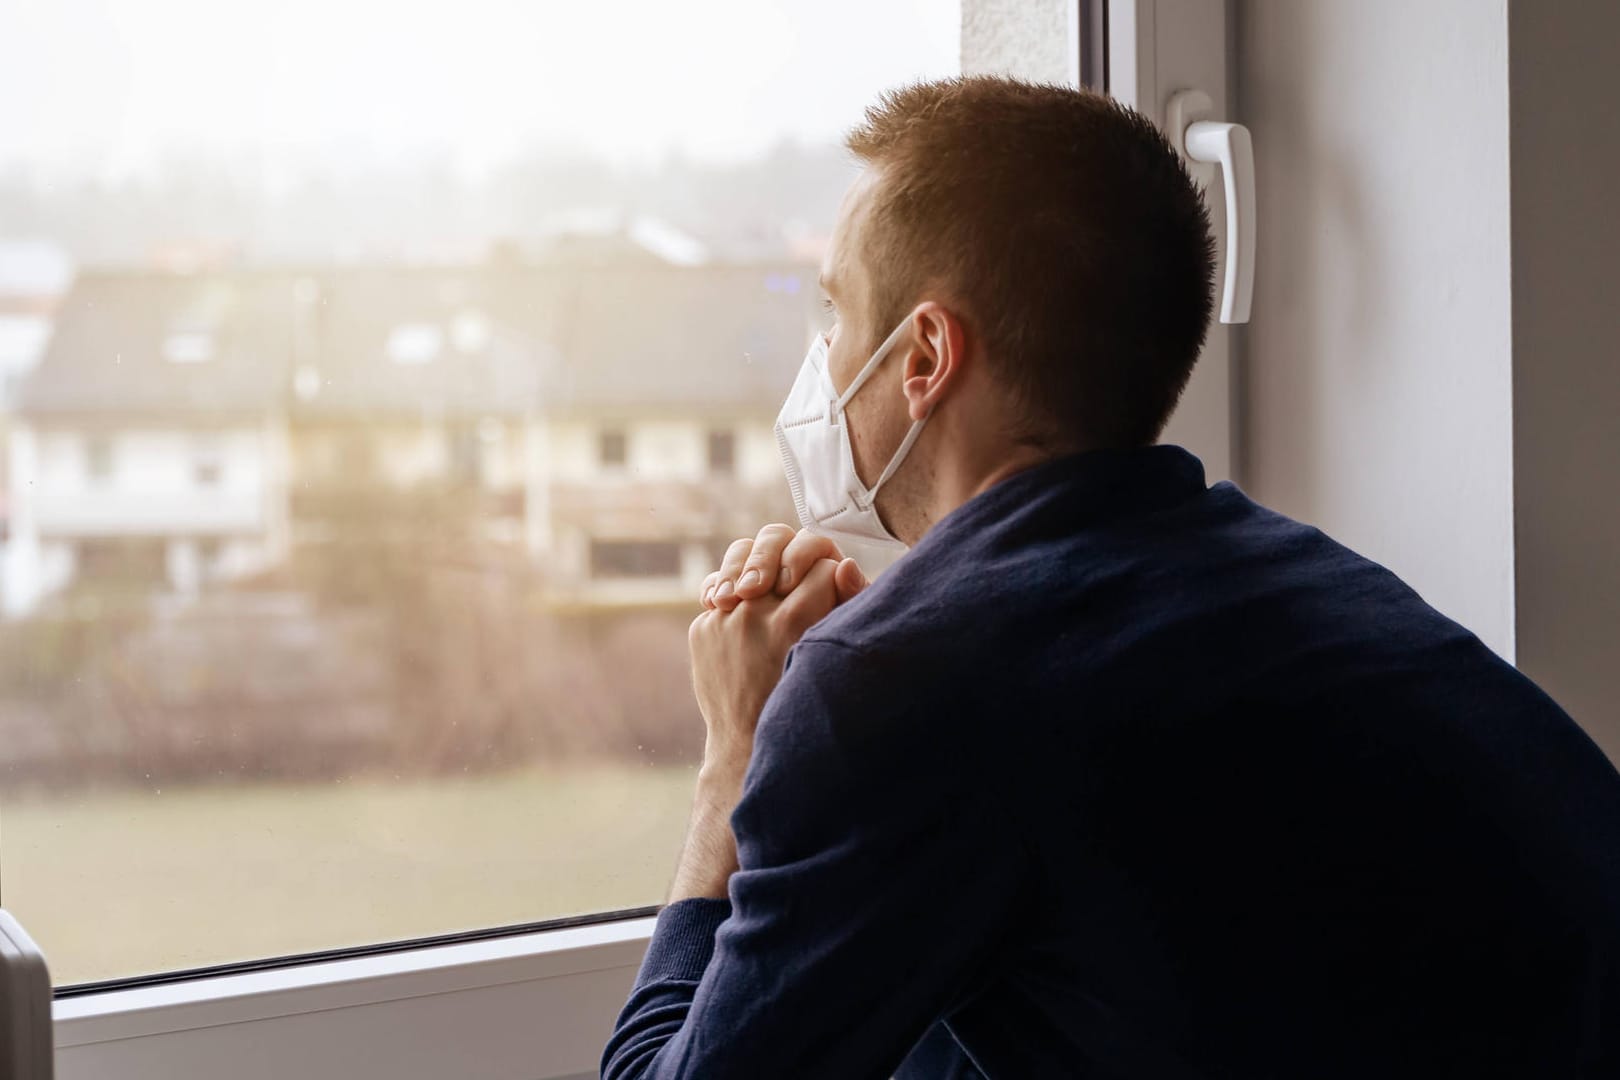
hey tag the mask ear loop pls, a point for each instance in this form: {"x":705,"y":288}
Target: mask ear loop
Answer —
{"x":896,"y":461}
{"x":872,"y":364}
{"x":899,"y":455}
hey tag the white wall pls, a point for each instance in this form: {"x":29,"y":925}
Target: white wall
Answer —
{"x":151,"y":489}
{"x":1028,"y":38}
{"x":1377,"y":377}
{"x":1566,"y":349}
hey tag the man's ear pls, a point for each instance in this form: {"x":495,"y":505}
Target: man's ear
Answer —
{"x":934,"y":361}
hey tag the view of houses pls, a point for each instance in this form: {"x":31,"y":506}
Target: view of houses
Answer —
{"x":358,"y":466}
{"x":378,"y":383}
{"x":613,"y":420}
{"x":284,"y":515}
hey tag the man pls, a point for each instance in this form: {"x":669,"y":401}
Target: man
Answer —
{"x":1113,"y":774}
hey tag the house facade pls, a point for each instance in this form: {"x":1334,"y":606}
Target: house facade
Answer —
{"x":610,"y":423}
{"x":35,"y":276}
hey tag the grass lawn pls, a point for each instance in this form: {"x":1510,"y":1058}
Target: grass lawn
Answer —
{"x":125,"y":882}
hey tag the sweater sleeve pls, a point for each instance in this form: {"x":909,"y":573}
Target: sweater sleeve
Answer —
{"x":875,"y":892}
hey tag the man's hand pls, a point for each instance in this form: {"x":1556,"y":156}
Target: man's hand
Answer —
{"x":766,"y":594}
{"x":737,"y":657}
{"x":776,"y":561}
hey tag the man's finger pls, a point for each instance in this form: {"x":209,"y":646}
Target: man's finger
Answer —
{"x":759,"y":572}
{"x":708,"y":587}
{"x":725,"y":596}
{"x":849,"y":579}
{"x":801,"y":554}
{"x":811,"y":599}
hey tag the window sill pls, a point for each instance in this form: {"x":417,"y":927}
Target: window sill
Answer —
{"x":529,"y":1006}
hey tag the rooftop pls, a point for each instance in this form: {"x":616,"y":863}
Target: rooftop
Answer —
{"x":491,"y":338}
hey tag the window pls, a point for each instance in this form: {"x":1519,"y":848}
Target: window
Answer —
{"x":414,"y":343}
{"x":386,"y":659}
{"x":723,"y":452}
{"x":465,"y":452}
{"x":98,"y":458}
{"x":470,"y":332}
{"x":635,"y":558}
{"x":612,"y":447}
{"x":119,"y":563}
{"x":380,"y":721}
{"x":206,"y":466}
{"x":189,"y":347}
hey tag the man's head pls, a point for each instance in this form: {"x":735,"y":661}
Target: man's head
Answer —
{"x":1054,"y":259}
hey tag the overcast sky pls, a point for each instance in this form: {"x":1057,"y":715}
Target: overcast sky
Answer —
{"x":110,"y":86}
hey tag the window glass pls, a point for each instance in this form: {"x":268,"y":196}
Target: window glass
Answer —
{"x":366,"y":370}
{"x":98,"y":455}
{"x":205,"y":464}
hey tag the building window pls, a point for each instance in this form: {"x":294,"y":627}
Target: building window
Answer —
{"x":466,"y":454}
{"x":723,"y":452}
{"x":189,"y":347}
{"x":414,"y":343}
{"x":470,"y":332}
{"x":612,"y":447}
{"x":206,"y":467}
{"x":635,"y":559}
{"x":98,"y":458}
{"x":120,"y":561}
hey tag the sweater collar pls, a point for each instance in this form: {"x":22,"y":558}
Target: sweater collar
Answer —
{"x":1075,"y":491}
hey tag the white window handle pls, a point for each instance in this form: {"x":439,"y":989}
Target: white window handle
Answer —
{"x":1227,"y":145}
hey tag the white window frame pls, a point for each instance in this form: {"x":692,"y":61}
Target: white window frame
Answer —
{"x":1156,"y":48}
{"x":535,"y":1006}
{"x":540,"y":1005}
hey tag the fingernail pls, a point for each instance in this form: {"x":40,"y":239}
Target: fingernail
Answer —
{"x":749,"y":579}
{"x":708,"y":595}
{"x":784,"y":577}
{"x":722,"y":590}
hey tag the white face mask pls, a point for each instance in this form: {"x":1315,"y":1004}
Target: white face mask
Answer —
{"x":813,"y":437}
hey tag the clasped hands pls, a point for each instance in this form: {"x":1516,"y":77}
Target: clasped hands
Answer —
{"x":768,"y":591}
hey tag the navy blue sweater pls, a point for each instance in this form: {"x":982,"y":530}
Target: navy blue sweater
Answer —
{"x":1119,"y":775}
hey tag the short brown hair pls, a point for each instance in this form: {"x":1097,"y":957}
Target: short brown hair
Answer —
{"x":1066,"y":226}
